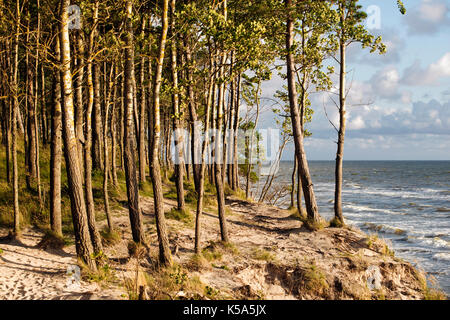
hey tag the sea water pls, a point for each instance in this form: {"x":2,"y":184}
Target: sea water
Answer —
{"x":405,"y":202}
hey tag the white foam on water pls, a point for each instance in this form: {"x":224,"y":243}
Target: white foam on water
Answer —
{"x":361,"y":208}
{"x":442,"y":256}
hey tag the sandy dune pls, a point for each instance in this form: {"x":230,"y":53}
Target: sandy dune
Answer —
{"x":28,"y":273}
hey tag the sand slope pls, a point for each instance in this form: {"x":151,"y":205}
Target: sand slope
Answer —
{"x":28,"y":273}
{"x":273,"y":258}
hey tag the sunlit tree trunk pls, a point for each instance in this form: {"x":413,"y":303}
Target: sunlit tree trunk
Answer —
{"x":55,"y":150}
{"x":176,"y":120}
{"x":155,"y":171}
{"x":79,"y":215}
{"x":106,"y":147}
{"x":142,"y":107}
{"x":307,"y":186}
{"x":342,"y":126}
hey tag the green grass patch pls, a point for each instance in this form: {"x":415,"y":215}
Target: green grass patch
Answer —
{"x":180,"y":215}
{"x":263,"y":255}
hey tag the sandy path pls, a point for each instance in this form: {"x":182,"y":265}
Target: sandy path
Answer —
{"x":28,"y":273}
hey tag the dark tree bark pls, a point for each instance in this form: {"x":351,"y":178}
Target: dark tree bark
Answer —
{"x":15,"y":112}
{"x":129,"y":150}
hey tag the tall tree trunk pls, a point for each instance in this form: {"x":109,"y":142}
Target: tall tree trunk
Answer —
{"x":36,"y":103}
{"x":79,"y":215}
{"x":97,"y":138}
{"x":90,"y":206}
{"x":15,"y":112}
{"x":235,"y":129}
{"x":129,"y":150}
{"x":201,"y":191}
{"x":114,"y":136}
{"x":31,"y":131}
{"x":308,"y":191}
{"x":179,"y":139}
{"x":142,"y":107}
{"x":44,"y":120}
{"x":218,"y":157}
{"x":342,"y":126}
{"x":79,"y":93}
{"x":105,"y":145}
{"x":55,"y":150}
{"x":155,"y":172}
{"x":193,"y":117}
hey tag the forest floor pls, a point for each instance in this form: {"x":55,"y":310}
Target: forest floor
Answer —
{"x":272,"y":256}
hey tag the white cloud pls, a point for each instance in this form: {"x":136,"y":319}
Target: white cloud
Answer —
{"x":357,"y":123}
{"x":429,"y":17}
{"x":416,"y":75}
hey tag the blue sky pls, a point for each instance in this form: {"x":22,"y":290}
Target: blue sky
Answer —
{"x":399,"y":102}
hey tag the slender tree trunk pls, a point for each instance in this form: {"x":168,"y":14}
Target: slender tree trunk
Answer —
{"x":155,"y":171}
{"x":90,"y":206}
{"x":15,"y":112}
{"x":79,"y":215}
{"x":218,"y":158}
{"x":341,"y":135}
{"x":44,"y":120}
{"x":201,"y":191}
{"x":142,"y":107}
{"x":31,"y":131}
{"x":179,"y":139}
{"x":114,"y":137}
{"x":36,"y":103}
{"x":55,"y":150}
{"x":97,"y":139}
{"x":79,"y":94}
{"x":310,"y":199}
{"x":193,"y":117}
{"x":293,"y":179}
{"x":106,"y":150}
{"x":129,"y":150}
{"x":236,"y":128}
